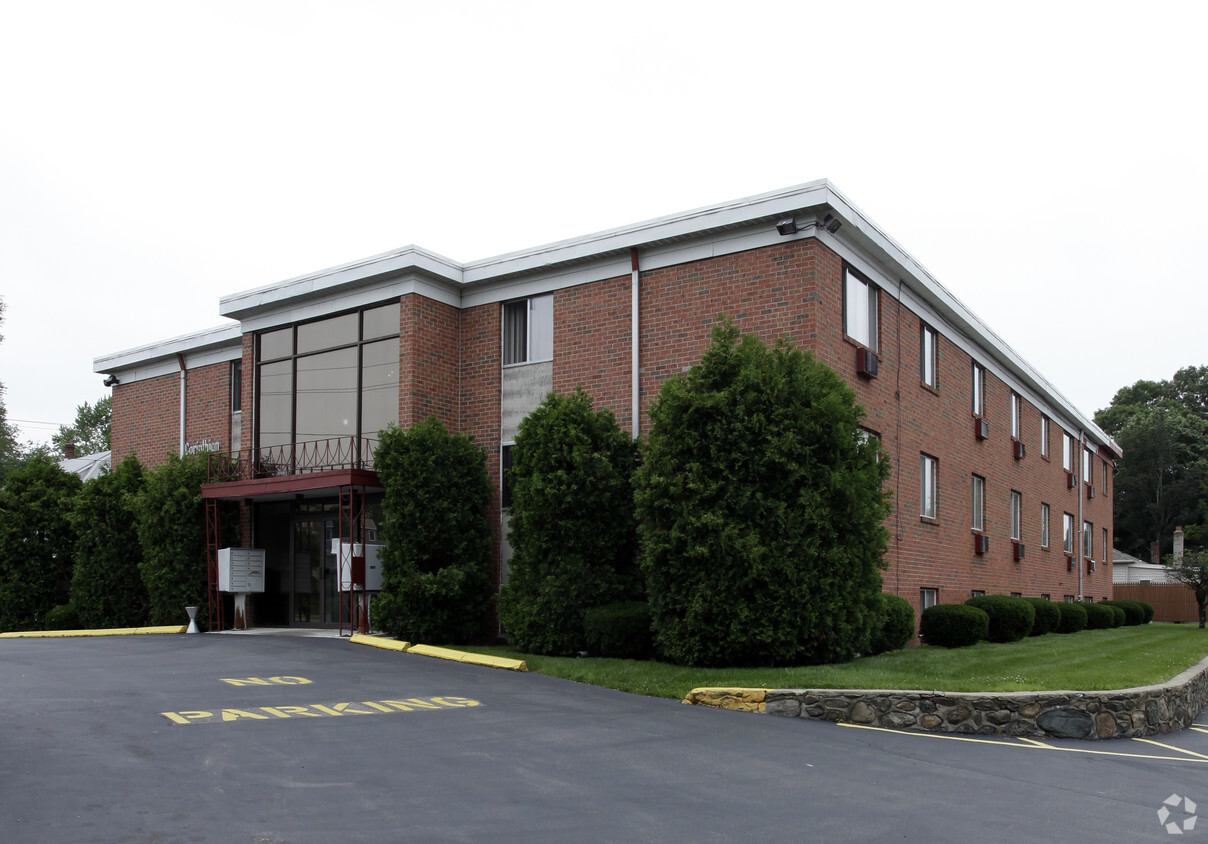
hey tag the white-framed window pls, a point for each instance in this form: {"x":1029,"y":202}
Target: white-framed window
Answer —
{"x":1105,"y":473}
{"x":236,"y":406}
{"x":1067,"y":452}
{"x":979,"y":503}
{"x":976,"y":593}
{"x":1045,"y":595}
{"x":928,"y":597}
{"x":859,"y":309}
{"x":1067,"y":532}
{"x":1015,"y":415}
{"x":1016,"y":594}
{"x":928,"y":356}
{"x":1016,"y":505}
{"x":1107,"y":555}
{"x":979,"y":389}
{"x":1088,"y":540}
{"x":1044,"y":436}
{"x":1069,"y":599}
{"x":1088,"y":461}
{"x":1044,"y":525}
{"x":528,"y":330}
{"x":928,"y":468}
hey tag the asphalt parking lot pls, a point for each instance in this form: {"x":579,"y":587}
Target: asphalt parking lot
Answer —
{"x":282,"y":739}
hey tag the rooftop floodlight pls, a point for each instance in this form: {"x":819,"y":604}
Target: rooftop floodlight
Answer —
{"x":830,"y":223}
{"x":787,"y":226}
{"x":110,"y":380}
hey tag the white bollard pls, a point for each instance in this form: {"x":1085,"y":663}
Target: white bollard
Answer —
{"x":192,"y":611}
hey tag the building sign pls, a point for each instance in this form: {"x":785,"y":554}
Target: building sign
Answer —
{"x":204,"y":444}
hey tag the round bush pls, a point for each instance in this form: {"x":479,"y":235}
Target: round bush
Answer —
{"x":953,"y":625}
{"x":1047,"y":616}
{"x":1010,"y":618}
{"x":1134,"y":613}
{"x":63,"y":617}
{"x":893,"y":626}
{"x":1148,"y":609}
{"x":1099,"y":617}
{"x":620,"y":630}
{"x":1119,"y":613}
{"x":1073,"y":618}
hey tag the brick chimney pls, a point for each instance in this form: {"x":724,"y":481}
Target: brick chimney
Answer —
{"x":1178,"y":545}
{"x":1155,"y":552}
{"x":69,"y":451}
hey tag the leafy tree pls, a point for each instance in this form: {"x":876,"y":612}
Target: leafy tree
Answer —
{"x":90,"y":433}
{"x":36,"y":541}
{"x":1193,"y":571}
{"x":172,"y":537}
{"x":761,"y":510}
{"x":435,"y":582}
{"x":107,"y":587}
{"x":10,"y":450}
{"x":570,"y":524}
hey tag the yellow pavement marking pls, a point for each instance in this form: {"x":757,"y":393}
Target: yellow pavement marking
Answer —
{"x":107,"y":631}
{"x":1172,"y":747}
{"x":379,"y":642}
{"x":319,"y":710}
{"x":1198,"y":730}
{"x":1035,"y":743}
{"x":1030,"y":746}
{"x":281,"y":680}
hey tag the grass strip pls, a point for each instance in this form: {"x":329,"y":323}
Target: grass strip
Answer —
{"x":1093,"y":660}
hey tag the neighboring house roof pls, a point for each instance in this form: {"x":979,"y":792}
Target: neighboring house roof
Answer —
{"x":1129,"y":569}
{"x":87,"y":467}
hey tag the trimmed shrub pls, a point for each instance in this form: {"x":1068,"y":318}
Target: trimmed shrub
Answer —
{"x":1047,"y":616}
{"x":893,"y":625}
{"x":1119,"y":612}
{"x":620,"y":630}
{"x":1134,"y":613}
{"x":1073,"y":617}
{"x":435,"y":582}
{"x":63,"y":617}
{"x":1099,"y":617}
{"x":1148,"y":609}
{"x":1011,"y":619}
{"x":761,"y":510}
{"x":953,"y":625}
{"x":571,"y":523}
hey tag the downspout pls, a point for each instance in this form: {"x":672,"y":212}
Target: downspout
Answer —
{"x":1081,"y":515}
{"x":635,"y":340}
{"x":180,"y":359}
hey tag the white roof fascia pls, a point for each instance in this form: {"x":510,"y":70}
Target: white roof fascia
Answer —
{"x":409,"y":259}
{"x":222,"y":343}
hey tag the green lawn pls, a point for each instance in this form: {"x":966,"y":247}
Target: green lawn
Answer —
{"x":1088,"y":661}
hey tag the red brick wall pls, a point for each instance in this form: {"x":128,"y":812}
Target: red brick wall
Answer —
{"x":145,"y":419}
{"x":208,"y":404}
{"x":592,"y":330}
{"x":428,"y":361}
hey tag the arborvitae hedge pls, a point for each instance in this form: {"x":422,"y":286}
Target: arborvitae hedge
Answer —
{"x":893,"y":625}
{"x":36,"y":542}
{"x":620,"y":630}
{"x":1011,"y":619}
{"x":1047,"y":616}
{"x":1134,"y":613}
{"x":761,"y":506}
{"x":107,"y":588}
{"x":570,"y":523}
{"x":1073,"y":618}
{"x":435,"y":583}
{"x":953,"y":625}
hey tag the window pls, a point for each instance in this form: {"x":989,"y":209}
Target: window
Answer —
{"x":1069,"y":599}
{"x":528,"y":330}
{"x":859,"y":309}
{"x":928,"y":467}
{"x":1104,"y":489}
{"x":1016,"y":594}
{"x":977,"y":593}
{"x":1016,"y":504}
{"x":1107,"y":555}
{"x":236,"y":441}
{"x":928,"y":356}
{"x":1088,"y":460}
{"x":979,"y":389}
{"x":1014,"y":416}
{"x":1044,"y":437}
{"x":1045,"y":595}
{"x":1044,"y":526}
{"x":1088,"y":541}
{"x":505,"y":476}
{"x":979,"y":502}
{"x":1067,"y":533}
{"x":928,"y":597}
{"x":1067,"y":452}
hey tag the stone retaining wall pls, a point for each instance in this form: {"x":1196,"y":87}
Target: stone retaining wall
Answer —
{"x":1145,"y":711}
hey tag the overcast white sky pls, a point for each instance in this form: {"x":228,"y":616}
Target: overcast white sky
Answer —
{"x":1045,"y":161}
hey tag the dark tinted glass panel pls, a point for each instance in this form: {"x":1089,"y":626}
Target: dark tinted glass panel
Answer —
{"x":379,"y":385}
{"x":277,"y":344}
{"x":381,"y":322}
{"x":328,"y":333}
{"x":276,"y":403}
{"x":327,"y":395}
{"x":515,"y":325}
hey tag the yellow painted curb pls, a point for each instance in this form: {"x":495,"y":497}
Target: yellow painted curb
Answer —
{"x":107,"y":631}
{"x":741,"y":700}
{"x":472,"y":658}
{"x":379,"y":642}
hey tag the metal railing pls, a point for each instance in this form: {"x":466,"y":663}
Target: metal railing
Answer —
{"x":301,"y":458}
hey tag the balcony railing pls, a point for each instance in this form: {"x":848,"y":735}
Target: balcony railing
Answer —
{"x":301,"y":458}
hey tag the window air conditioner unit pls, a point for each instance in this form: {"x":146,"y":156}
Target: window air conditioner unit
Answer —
{"x":866,"y":363}
{"x":1090,"y":491}
{"x":1019,"y":549}
{"x":981,"y":429}
{"x":981,"y":543}
{"x":1069,"y":563}
{"x":1070,"y":480}
{"x":1020,"y":450}
{"x":1090,"y":566}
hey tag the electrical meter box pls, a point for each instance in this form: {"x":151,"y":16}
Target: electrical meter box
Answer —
{"x":360,"y":566}
{"x":240,"y":569}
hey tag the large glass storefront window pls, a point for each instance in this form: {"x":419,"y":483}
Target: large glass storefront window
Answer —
{"x":328,"y":379}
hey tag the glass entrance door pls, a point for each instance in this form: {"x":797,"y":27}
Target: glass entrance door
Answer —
{"x":314,"y":594}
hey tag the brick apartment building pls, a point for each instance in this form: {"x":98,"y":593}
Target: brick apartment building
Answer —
{"x":999,"y":483}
